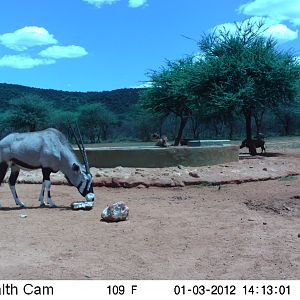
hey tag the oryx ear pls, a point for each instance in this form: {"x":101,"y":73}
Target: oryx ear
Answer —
{"x":75,"y":167}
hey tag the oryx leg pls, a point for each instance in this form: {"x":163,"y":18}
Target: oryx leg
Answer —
{"x":12,"y":184}
{"x":41,"y":198}
{"x":46,"y":187}
{"x":3,"y":170}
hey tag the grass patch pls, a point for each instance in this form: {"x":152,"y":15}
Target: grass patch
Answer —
{"x":207,"y":184}
{"x":288,"y":178}
{"x":296,"y":145}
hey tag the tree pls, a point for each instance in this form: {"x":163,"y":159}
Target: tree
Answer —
{"x":96,"y":121}
{"x":245,"y":73}
{"x":169,"y":93}
{"x":28,"y":113}
{"x":286,"y":115}
{"x":5,"y":126}
{"x":144,"y":123}
{"x":62,"y":120}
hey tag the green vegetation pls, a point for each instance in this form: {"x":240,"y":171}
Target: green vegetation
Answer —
{"x":288,"y":178}
{"x":240,"y":84}
{"x":102,"y":115}
{"x":170,"y":93}
{"x":240,"y":74}
{"x":28,"y":112}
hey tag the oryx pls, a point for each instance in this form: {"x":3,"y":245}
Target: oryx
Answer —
{"x":49,"y":150}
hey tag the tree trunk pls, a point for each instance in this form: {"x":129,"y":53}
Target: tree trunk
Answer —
{"x":32,"y":127}
{"x":258,"y":118}
{"x":183,"y":121}
{"x":230,"y":128}
{"x":161,"y":123}
{"x":250,"y":142}
{"x":287,"y":124}
{"x":104,"y":132}
{"x":216,"y":128}
{"x":195,"y":126}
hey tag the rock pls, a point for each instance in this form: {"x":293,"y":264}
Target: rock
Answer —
{"x":99,"y":174}
{"x":141,"y":186}
{"x":264,"y":223}
{"x":23,"y":216}
{"x":115,"y":212}
{"x":178,"y":182}
{"x":162,"y":182}
{"x":194,"y":174}
{"x":82,"y":205}
{"x":180,"y":167}
{"x":265,"y":169}
{"x":298,"y":235}
{"x":103,"y":181}
{"x":118,"y":169}
{"x":132,"y":181}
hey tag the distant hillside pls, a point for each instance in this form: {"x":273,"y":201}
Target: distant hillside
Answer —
{"x":118,"y":101}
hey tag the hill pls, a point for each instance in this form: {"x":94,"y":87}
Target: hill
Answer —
{"x":118,"y":101}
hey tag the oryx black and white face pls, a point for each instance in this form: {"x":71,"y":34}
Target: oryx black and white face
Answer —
{"x":82,"y":179}
{"x":84,"y":176}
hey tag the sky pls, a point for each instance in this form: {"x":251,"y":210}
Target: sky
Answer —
{"x":97,"y":45}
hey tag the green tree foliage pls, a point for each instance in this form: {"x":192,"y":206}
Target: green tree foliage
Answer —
{"x":62,"y":120}
{"x":28,"y":113}
{"x":169,"y":92}
{"x":240,"y":77}
{"x":96,"y":122}
{"x":244,"y":73}
{"x":145,"y":123}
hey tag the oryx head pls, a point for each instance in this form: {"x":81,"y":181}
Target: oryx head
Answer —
{"x":83,"y":176}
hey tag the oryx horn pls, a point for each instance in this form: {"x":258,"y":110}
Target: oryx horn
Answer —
{"x":80,"y":145}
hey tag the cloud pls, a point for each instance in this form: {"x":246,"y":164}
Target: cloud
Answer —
{"x":27,"y":37}
{"x":131,"y":3}
{"x":142,"y":86}
{"x":63,"y":52}
{"x":280,"y":10}
{"x":282,"y":32}
{"x":136,"y":3}
{"x":23,"y":61}
{"x":272,"y":28}
{"x":99,"y":3}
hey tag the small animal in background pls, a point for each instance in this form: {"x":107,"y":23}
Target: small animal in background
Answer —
{"x":160,"y":141}
{"x":259,"y":143}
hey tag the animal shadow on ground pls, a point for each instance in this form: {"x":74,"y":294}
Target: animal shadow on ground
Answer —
{"x":271,"y":154}
{"x":260,"y":155}
{"x":34,"y":207}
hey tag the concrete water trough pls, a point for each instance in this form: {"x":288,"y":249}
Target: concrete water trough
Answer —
{"x":157,"y":157}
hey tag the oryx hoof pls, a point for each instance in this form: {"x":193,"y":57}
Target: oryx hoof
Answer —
{"x":51,"y":203}
{"x":42,"y":205}
{"x":20,"y":203}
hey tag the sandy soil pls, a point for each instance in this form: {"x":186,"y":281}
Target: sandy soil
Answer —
{"x":232,"y":231}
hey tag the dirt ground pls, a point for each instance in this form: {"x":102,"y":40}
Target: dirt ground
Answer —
{"x":230,"y":231}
